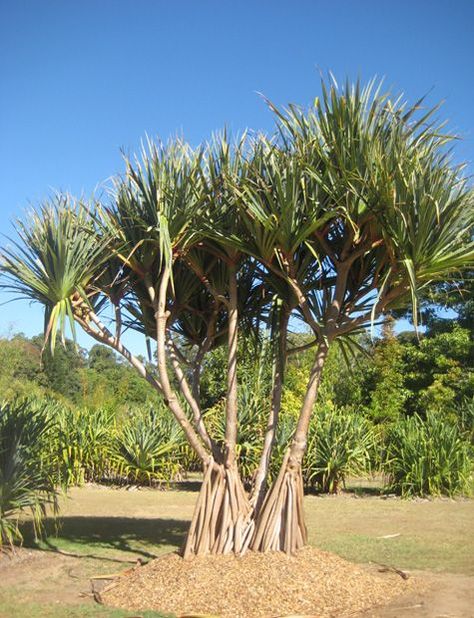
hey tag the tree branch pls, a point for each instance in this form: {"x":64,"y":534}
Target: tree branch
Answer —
{"x":300,"y":296}
{"x":205,"y":281}
{"x":170,"y":397}
{"x":302,"y":348}
{"x":186,"y":391}
{"x":298,"y":445}
{"x":380,"y":306}
{"x":103,"y":335}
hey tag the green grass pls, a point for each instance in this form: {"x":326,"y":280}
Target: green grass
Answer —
{"x":409,"y":553}
{"x":104,"y":525}
{"x":435,"y":535}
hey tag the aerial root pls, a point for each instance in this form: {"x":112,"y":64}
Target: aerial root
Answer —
{"x":280,"y":525}
{"x":222,"y":521}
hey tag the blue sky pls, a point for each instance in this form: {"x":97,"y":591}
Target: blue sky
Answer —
{"x":79,"y":80}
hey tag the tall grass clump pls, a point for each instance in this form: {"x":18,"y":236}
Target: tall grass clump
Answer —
{"x":340,"y":444}
{"x":27,"y":477}
{"x":428,"y":457}
{"x":466,"y":418}
{"x":83,"y":443}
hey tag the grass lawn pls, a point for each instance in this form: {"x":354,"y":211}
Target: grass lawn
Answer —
{"x":116,"y":524}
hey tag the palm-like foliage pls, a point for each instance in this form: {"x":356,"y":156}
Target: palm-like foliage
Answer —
{"x":56,"y":262}
{"x":340,"y":444}
{"x":147,"y":447}
{"x":362,"y":180}
{"x":82,"y":443}
{"x":27,"y":479}
{"x":156,"y":210}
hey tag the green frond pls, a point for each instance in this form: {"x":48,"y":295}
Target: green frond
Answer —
{"x":57,"y":257}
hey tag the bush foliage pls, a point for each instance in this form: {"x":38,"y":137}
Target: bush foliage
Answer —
{"x":27,"y":474}
{"x":428,"y":457}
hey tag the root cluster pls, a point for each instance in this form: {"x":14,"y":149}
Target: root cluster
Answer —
{"x":222,"y":520}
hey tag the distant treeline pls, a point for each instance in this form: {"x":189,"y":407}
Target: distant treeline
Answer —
{"x":94,"y":378}
{"x":392,"y":376}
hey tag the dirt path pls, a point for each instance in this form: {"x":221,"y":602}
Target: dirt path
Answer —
{"x":47,"y":577}
{"x":448,"y":596}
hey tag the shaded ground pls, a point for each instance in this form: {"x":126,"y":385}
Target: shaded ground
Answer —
{"x":435,"y":536}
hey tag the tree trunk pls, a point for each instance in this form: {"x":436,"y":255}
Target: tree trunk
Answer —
{"x":280,"y":525}
{"x":222,"y":522}
{"x":279,"y":360}
{"x":231,"y":399}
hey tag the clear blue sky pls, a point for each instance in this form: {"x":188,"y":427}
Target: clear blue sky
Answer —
{"x":79,"y":80}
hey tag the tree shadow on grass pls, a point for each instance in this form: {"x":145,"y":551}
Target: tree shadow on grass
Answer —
{"x":364,"y":491}
{"x":187,"y":485}
{"x":358,"y":492}
{"x":94,"y":535}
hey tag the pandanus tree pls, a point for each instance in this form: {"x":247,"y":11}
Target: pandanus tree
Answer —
{"x":361,"y":208}
{"x":344,"y":215}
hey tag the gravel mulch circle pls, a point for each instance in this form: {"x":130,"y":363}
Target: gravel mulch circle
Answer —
{"x":310,"y":583}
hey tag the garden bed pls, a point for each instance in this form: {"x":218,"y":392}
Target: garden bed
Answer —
{"x":311,"y":583}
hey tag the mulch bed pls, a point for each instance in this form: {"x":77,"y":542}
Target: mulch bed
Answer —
{"x":310,"y":583}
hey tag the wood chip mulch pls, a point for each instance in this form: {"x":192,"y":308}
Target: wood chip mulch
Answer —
{"x":310,"y":583}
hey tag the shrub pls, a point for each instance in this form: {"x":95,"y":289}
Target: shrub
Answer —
{"x":340,"y":443}
{"x":27,"y":479}
{"x":428,"y":457}
{"x":147,"y":447}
